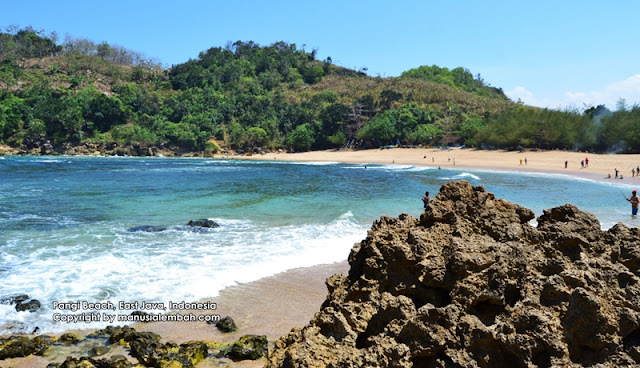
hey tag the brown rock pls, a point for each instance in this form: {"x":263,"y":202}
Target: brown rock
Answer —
{"x":473,"y":284}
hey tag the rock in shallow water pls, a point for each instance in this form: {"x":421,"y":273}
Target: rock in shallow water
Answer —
{"x":472,"y":284}
{"x":147,"y":228}
{"x":206,"y":223}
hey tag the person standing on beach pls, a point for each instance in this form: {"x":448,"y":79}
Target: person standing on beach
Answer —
{"x":426,"y":200}
{"x":586,"y":161}
{"x":634,"y":202}
{"x":616,"y":170}
{"x":565,"y":164}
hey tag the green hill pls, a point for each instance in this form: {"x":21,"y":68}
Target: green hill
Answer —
{"x":248,"y":97}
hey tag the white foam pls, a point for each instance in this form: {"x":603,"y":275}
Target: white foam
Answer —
{"x":461,"y":176}
{"x":467,"y":175}
{"x":312,"y":163}
{"x":173,"y":265}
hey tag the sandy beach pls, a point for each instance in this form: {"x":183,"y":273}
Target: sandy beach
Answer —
{"x":274,"y":305}
{"x":598,"y":168}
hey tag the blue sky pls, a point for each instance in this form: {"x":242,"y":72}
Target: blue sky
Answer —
{"x":553,"y":54}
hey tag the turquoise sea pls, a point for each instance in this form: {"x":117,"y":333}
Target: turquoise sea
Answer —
{"x":64,"y":222}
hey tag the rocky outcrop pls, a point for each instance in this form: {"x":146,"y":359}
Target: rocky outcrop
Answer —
{"x":473,"y":284}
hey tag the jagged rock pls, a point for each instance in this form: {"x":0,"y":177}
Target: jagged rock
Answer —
{"x":248,"y":347}
{"x":473,"y":284}
{"x":226,"y":324}
{"x":203,"y":223}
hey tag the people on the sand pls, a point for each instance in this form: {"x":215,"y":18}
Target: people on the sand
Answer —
{"x":608,"y":176}
{"x":586,"y":161}
{"x":426,"y":200}
{"x":634,"y":202}
{"x":565,"y":164}
{"x":616,"y":170}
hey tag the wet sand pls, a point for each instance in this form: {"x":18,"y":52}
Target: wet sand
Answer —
{"x":271,"y":306}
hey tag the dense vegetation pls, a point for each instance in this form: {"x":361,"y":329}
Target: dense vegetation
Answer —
{"x":246,"y":96}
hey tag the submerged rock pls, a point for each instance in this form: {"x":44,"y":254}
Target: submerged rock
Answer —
{"x":14,"y":299}
{"x":206,"y":223}
{"x":473,"y":284}
{"x":22,"y":302}
{"x":29,"y":306}
{"x":147,"y":228}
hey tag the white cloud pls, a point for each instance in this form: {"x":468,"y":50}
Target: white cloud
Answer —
{"x":609,"y":95}
{"x":628,"y":89}
{"x":522,"y":94}
{"x":526,"y":96}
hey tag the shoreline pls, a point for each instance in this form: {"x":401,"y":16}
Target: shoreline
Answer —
{"x":598,"y":166}
{"x":550,"y":162}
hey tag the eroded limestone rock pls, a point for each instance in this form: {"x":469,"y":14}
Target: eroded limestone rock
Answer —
{"x":473,"y":284}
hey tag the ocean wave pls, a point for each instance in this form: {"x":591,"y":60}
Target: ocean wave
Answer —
{"x":461,"y":176}
{"x":395,"y":168}
{"x":126,"y":266}
{"x":312,"y":163}
{"x":51,"y":161}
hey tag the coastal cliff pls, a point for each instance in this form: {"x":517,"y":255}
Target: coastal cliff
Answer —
{"x":473,"y":284}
